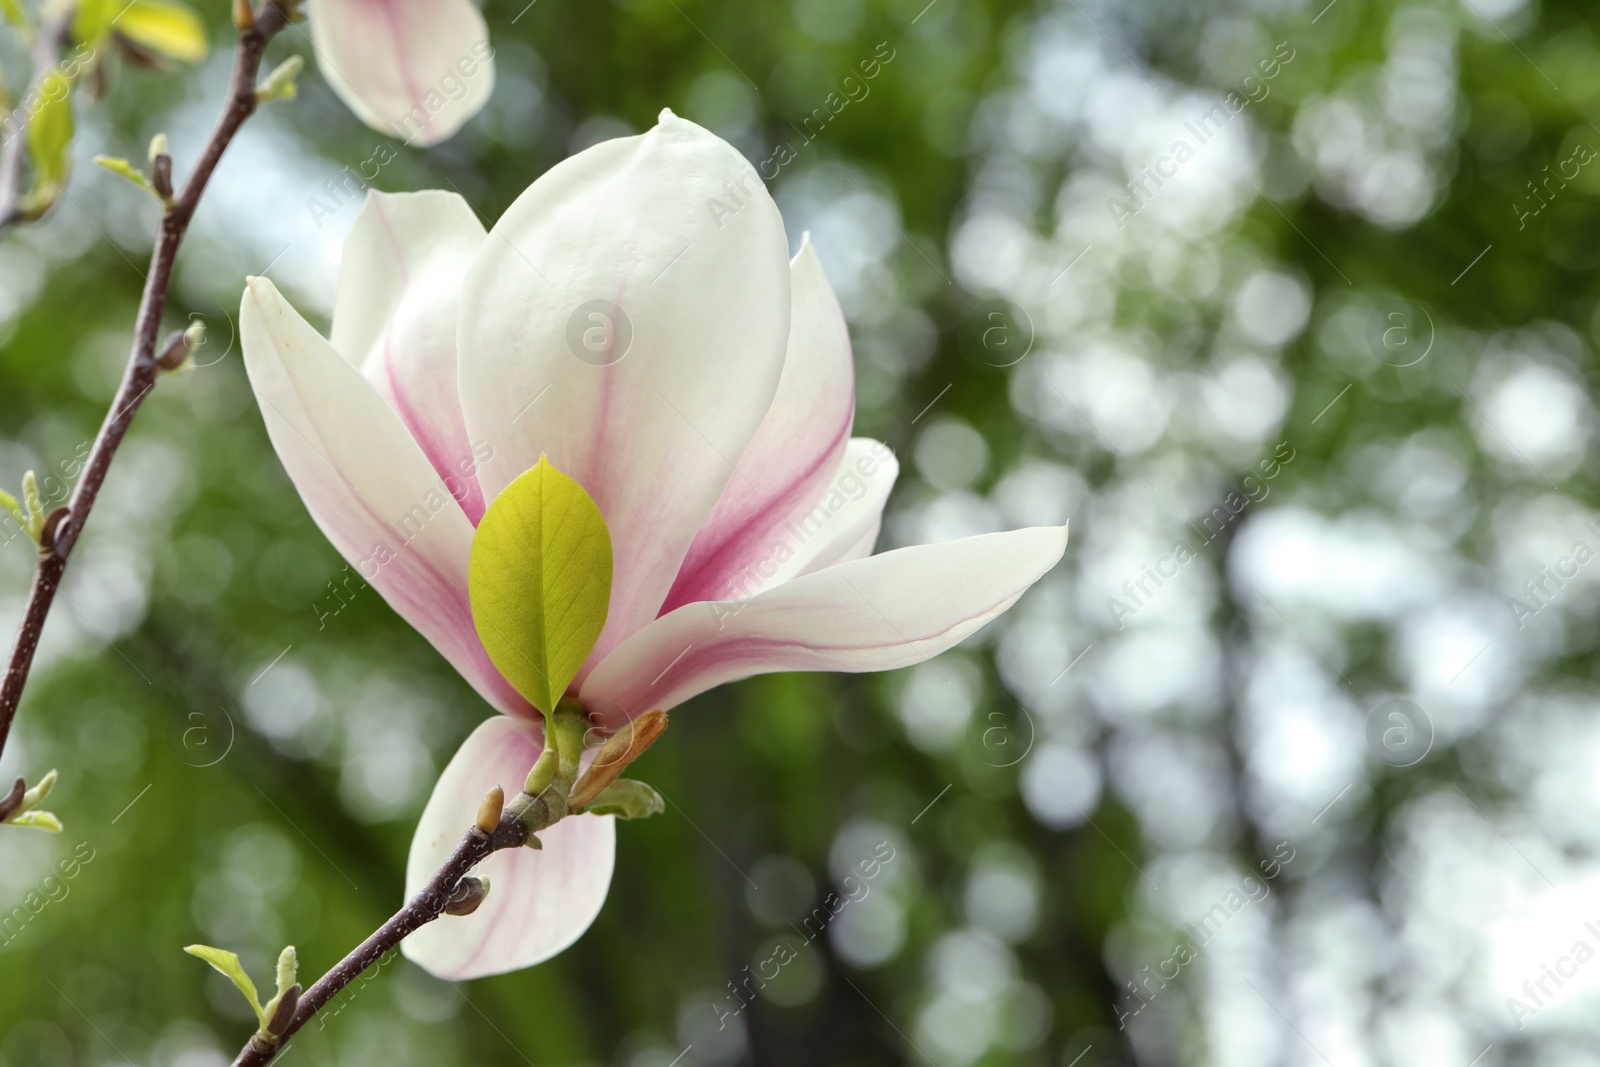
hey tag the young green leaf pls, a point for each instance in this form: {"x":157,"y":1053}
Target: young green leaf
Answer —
{"x":628,"y":798}
{"x":166,"y":27}
{"x":123,"y":169}
{"x":32,"y":797}
{"x":540,"y":582}
{"x":40,"y":820}
{"x":50,"y":140}
{"x":228,"y":964}
{"x":10,"y":504}
{"x":12,"y":12}
{"x":91,"y":19}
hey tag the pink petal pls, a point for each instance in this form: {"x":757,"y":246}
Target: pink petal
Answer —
{"x":416,"y":69}
{"x":540,"y":901}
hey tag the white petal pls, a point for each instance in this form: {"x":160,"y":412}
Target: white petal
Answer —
{"x":649,"y":429}
{"x":540,"y":901}
{"x":365,"y":482}
{"x":876,"y":614}
{"x":395,"y":318}
{"x":794,"y":455}
{"x":416,"y":69}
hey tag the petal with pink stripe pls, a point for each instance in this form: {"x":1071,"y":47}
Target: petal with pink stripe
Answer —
{"x":415,"y":69}
{"x":395,"y":318}
{"x":540,"y":901}
{"x":873,"y":614}
{"x":365,"y":481}
{"x":793,"y":456}
{"x":618,"y":324}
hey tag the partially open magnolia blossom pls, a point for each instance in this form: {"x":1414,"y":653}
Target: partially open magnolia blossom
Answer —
{"x":635,"y":317}
{"x":415,"y":69}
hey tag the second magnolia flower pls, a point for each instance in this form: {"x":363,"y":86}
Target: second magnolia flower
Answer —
{"x":694,"y":380}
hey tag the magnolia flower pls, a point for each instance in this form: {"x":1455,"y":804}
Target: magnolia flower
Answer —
{"x":416,"y":69}
{"x":636,"y":317}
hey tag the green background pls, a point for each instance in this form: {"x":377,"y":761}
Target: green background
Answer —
{"x":247,"y":772}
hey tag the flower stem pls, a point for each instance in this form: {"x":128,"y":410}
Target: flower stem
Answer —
{"x":420,"y":910}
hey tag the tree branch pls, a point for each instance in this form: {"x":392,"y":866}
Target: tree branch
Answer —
{"x":512,"y":832}
{"x":46,"y":50}
{"x":140,"y":375}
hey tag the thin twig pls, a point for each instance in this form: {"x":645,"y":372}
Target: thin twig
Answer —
{"x":420,"y":910}
{"x":140,"y":374}
{"x":47,"y":46}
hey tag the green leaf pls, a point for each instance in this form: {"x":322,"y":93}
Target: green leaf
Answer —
{"x":228,"y":964}
{"x":281,"y":84}
{"x":50,"y":139}
{"x":91,"y":20}
{"x":164,"y":26}
{"x":9,"y":502}
{"x":12,"y":11}
{"x":540,"y":582}
{"x":42,"y":820}
{"x":32,"y":797}
{"x":123,"y":169}
{"x":628,"y":798}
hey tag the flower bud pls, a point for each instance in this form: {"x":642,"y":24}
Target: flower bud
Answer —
{"x":542,"y":774}
{"x":12,"y":800}
{"x":287,"y":965}
{"x":489,"y":811}
{"x":41,"y":790}
{"x":179,"y":343}
{"x":467,"y":896}
{"x":160,"y":167}
{"x":620,"y":749}
{"x":47,"y":532}
{"x":280,"y":84}
{"x":288,"y":1001}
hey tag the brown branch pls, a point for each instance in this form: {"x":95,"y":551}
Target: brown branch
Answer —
{"x":140,"y":375}
{"x":512,"y":832}
{"x":47,"y":46}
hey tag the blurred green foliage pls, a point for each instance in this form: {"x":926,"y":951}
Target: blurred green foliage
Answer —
{"x":207,"y":815}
